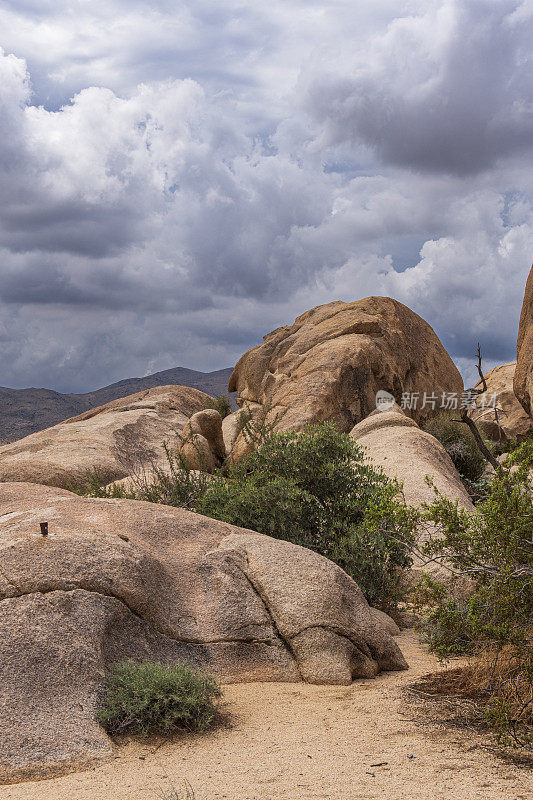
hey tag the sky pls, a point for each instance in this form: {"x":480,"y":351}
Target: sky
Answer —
{"x":178,"y":178}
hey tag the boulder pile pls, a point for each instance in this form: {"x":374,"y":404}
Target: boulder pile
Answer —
{"x":330,"y":363}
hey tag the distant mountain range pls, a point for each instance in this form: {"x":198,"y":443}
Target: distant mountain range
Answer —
{"x":25,"y":411}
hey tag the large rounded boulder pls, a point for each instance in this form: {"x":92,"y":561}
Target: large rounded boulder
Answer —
{"x":331,"y":362}
{"x":397,"y":444}
{"x":497,"y":411}
{"x":410,"y":455}
{"x":202,"y":444}
{"x":523,"y":378}
{"x":118,"y":579}
{"x":110,"y":442}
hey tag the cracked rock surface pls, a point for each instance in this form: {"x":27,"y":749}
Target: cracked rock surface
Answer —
{"x":120,"y":579}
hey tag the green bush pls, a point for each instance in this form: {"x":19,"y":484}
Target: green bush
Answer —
{"x":177,"y":485}
{"x":222,"y":404}
{"x":459,"y":443}
{"x":521,"y":455}
{"x":315,"y":489}
{"x":511,"y":445}
{"x":146,"y":698}
{"x":492,"y":546}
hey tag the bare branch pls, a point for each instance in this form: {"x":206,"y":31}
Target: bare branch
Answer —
{"x":480,"y":370}
{"x":472,"y":425}
{"x":479,"y":440}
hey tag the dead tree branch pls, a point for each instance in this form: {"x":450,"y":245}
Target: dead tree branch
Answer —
{"x":470,"y":422}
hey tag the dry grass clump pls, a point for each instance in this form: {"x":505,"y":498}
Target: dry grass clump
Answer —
{"x":498,"y":687}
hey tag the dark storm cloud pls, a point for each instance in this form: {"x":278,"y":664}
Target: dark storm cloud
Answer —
{"x":148,"y":219}
{"x":448,"y":91}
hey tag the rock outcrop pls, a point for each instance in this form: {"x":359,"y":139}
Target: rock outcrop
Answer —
{"x":112,"y":441}
{"x":523,"y":379}
{"x":118,"y":579}
{"x":202,"y":443}
{"x":395,"y":443}
{"x":330,"y":363}
{"x":509,"y":421}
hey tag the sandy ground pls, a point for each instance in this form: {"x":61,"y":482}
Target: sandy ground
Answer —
{"x":301,"y":742}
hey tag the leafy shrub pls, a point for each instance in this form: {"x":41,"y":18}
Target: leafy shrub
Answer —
{"x":95,"y":483}
{"x":258,"y":424}
{"x":177,"y":485}
{"x":448,"y":630}
{"x":493,"y":547}
{"x":510,"y":445}
{"x":478,"y":490}
{"x":315,"y":489}
{"x":222,"y":404}
{"x":145,"y":698}
{"x":459,"y":443}
{"x":521,"y":456}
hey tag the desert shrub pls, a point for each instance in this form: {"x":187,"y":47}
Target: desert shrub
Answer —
{"x":177,"y":485}
{"x":146,"y":698}
{"x":258,"y":424}
{"x":96,"y":483}
{"x":497,"y":691}
{"x":493,"y":546}
{"x":448,"y":630}
{"x":478,"y":490}
{"x":459,"y":443}
{"x":521,"y":455}
{"x":510,"y":445}
{"x":222,"y":404}
{"x":315,"y":489}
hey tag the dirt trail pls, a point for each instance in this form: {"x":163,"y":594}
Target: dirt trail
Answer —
{"x":301,"y":742}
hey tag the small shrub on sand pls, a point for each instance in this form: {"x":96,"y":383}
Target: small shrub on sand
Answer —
{"x":147,"y":698}
{"x":497,"y":689}
{"x":175,"y":794}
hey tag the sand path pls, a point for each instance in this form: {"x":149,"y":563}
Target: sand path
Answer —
{"x":301,"y":742}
